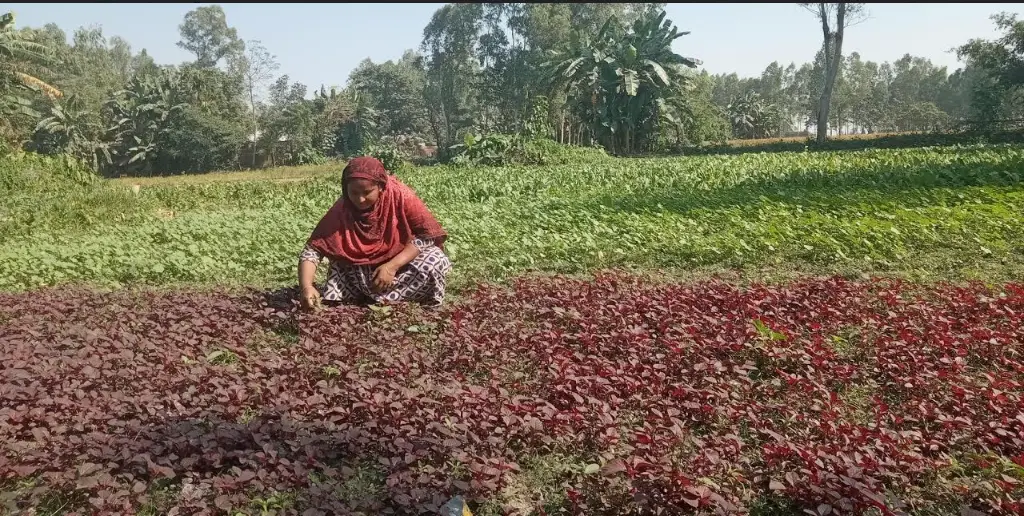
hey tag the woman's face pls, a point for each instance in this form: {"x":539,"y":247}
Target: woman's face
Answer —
{"x":363,"y":193}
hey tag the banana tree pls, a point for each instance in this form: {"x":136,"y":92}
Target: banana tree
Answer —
{"x":142,"y":114}
{"x":360,"y":129}
{"x":624,"y":72}
{"x":576,"y":71}
{"x":330,"y":113}
{"x":70,"y":129}
{"x":752,"y":116}
{"x":16,"y":50}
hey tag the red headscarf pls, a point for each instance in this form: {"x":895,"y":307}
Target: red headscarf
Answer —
{"x":375,"y":236}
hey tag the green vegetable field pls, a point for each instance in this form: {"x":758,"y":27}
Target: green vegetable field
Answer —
{"x":933,"y":213}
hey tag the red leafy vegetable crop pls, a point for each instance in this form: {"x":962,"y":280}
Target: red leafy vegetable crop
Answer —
{"x":824,"y":396}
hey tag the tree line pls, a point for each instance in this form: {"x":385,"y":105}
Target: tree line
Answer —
{"x":578,"y":74}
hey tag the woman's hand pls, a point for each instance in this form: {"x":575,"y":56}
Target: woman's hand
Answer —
{"x":311,"y":298}
{"x":383,"y":277}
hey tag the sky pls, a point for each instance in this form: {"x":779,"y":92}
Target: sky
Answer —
{"x":320,"y":44}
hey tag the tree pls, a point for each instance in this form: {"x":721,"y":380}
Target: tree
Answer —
{"x":395,"y":92}
{"x":752,"y":116}
{"x":868,"y":94}
{"x":17,"y":51}
{"x":71,"y":128}
{"x":973,"y":95}
{"x":730,"y":86}
{"x":287,"y":121}
{"x":205,"y":33}
{"x":449,"y":41}
{"x":1001,"y":63}
{"x":694,"y":118}
{"x":620,"y":79}
{"x":331,"y":113}
{"x":143,"y":64}
{"x":834,"y":18}
{"x":95,"y":67}
{"x":216,"y":109}
{"x":256,"y":67}
{"x":142,"y":116}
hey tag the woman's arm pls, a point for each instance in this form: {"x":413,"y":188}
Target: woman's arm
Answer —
{"x":307,"y":271}
{"x":407,"y":255}
{"x":309,"y":259}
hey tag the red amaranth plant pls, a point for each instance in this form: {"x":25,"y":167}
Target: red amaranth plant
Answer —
{"x":828,"y":396}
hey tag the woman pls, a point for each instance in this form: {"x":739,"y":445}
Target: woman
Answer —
{"x":383,"y":244}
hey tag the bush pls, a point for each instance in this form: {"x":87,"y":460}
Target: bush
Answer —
{"x":199,"y":142}
{"x":55,"y":191}
{"x":550,"y":152}
{"x":493,"y":149}
{"x":501,"y":149}
{"x":311,"y":156}
{"x":389,"y":155}
{"x":27,"y":171}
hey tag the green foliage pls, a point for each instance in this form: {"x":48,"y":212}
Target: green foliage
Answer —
{"x":93,"y":67}
{"x":19,"y":54}
{"x":619,"y":80}
{"x":142,"y":115}
{"x":502,"y":149}
{"x":1000,"y":70}
{"x":394,"y":90}
{"x":70,"y":129}
{"x":449,"y":40}
{"x":206,"y":33}
{"x":908,"y":94}
{"x":578,"y":74}
{"x":1002,"y":58}
{"x":331,"y":113}
{"x":752,"y":117}
{"x":311,"y":156}
{"x":389,"y":155}
{"x":22,"y":172}
{"x":542,"y":151}
{"x":76,"y":209}
{"x":693,"y":117}
{"x":940,"y":212}
{"x":490,"y":149}
{"x":921,"y":116}
{"x":536,"y":125}
{"x":866,"y":142}
{"x":58,"y":192}
{"x":200,"y":142}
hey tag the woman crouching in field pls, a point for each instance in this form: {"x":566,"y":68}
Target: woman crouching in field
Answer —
{"x":383,"y":244}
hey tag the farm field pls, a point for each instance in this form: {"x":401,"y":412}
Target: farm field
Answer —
{"x":803,"y":138}
{"x":858,"y":352}
{"x":939,"y":213}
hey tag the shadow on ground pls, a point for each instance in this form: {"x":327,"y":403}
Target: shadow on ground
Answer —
{"x":912,"y":186}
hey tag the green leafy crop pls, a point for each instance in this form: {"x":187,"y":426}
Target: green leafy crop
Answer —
{"x":940,"y":212}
